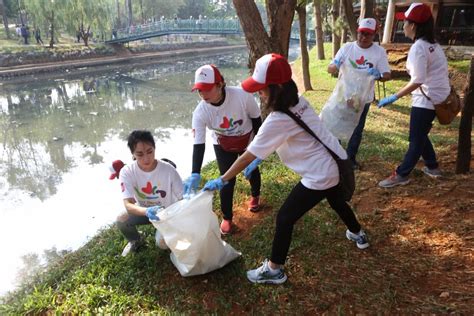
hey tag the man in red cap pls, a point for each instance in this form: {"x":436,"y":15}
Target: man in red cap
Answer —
{"x":365,"y":56}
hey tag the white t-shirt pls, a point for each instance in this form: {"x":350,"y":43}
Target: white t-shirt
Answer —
{"x":298,"y":149}
{"x":363,"y":59}
{"x":231,"y":118}
{"x":427,"y":64}
{"x":162,"y":186}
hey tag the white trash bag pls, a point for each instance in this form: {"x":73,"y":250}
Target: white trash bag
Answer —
{"x":342,"y":111}
{"x":191,"y":230}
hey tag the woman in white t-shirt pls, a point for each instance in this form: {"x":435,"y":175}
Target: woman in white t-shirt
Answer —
{"x":299,"y":151}
{"x":233,"y":117}
{"x":428,"y":69}
{"x":148,"y":185}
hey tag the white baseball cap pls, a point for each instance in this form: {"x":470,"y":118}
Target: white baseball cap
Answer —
{"x":206,"y":77}
{"x":368,"y":25}
{"x":269,"y":69}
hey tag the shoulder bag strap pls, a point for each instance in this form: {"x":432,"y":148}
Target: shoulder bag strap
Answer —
{"x":310,"y":131}
{"x":423,"y":92}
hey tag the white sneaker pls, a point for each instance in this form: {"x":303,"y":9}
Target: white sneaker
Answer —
{"x":360,"y":238}
{"x":132,"y":246}
{"x":263,"y":274}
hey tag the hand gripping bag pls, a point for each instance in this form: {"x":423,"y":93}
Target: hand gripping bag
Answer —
{"x":191,"y":230}
{"x":342,"y":111}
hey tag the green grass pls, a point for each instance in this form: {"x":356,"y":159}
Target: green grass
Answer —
{"x":327,"y":274}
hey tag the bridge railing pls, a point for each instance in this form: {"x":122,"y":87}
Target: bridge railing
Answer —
{"x":185,"y":26}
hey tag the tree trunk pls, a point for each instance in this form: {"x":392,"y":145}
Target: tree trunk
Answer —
{"x":130,"y":12}
{"x":336,"y":39}
{"x":3,"y":11}
{"x":141,"y":10}
{"x":119,"y":22}
{"x":301,"y":10}
{"x":51,"y":41}
{"x":463,"y":160}
{"x":350,"y":18}
{"x":318,"y":30}
{"x":366,"y":9}
{"x":259,"y":42}
{"x":280,"y":18}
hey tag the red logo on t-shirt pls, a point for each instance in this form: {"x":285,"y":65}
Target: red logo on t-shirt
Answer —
{"x":148,"y":189}
{"x":122,"y":186}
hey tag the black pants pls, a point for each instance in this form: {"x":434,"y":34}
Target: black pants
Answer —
{"x":300,"y":201}
{"x":225,"y":160}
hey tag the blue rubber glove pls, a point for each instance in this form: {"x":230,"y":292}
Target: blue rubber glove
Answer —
{"x":191,"y":183}
{"x":216,"y":184}
{"x":337,"y":62}
{"x":375,"y":73}
{"x":387,"y":100}
{"x":251,"y":167}
{"x":151,"y":212}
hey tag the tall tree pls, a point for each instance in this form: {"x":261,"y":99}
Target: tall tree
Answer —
{"x":3,"y":12}
{"x":130,"y":12}
{"x":301,"y":11}
{"x":318,"y":29}
{"x":463,"y":160}
{"x":336,"y":38}
{"x":350,"y":18}
{"x":367,"y":9}
{"x":260,"y":42}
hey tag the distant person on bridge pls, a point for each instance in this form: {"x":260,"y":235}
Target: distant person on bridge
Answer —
{"x":37,"y":34}
{"x":363,"y":55}
{"x":233,"y":116}
{"x":429,"y":85}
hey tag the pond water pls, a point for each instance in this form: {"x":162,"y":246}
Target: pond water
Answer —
{"x":60,"y":134}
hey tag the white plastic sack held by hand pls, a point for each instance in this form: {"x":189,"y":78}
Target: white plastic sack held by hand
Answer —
{"x":191,"y":231}
{"x":342,"y":111}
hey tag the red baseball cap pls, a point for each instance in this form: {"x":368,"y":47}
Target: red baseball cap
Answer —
{"x":368,"y":25}
{"x":115,"y":168}
{"x":269,"y":69}
{"x":417,"y":12}
{"x":206,"y":77}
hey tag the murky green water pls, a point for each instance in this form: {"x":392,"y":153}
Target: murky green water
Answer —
{"x":58,"y":136}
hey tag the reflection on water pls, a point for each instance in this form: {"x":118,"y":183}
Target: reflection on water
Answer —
{"x":59,"y":135}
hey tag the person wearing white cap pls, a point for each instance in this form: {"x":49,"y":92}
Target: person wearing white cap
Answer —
{"x":299,"y":151}
{"x":233,"y":116}
{"x":147,"y":184}
{"x":429,"y":85}
{"x":362,"y":55}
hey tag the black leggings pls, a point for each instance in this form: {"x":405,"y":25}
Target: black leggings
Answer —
{"x":300,"y":201}
{"x":225,"y":159}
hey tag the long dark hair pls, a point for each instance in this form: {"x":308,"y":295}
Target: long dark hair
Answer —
{"x":425,"y":31}
{"x":282,"y":96}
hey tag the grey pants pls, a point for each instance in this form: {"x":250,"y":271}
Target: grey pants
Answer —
{"x":129,"y":227}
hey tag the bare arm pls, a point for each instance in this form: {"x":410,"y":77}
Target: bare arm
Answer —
{"x":133,"y":208}
{"x":239,"y":165}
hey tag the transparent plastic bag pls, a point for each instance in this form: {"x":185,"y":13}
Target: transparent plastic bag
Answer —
{"x":191,"y":230}
{"x":342,"y":111}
